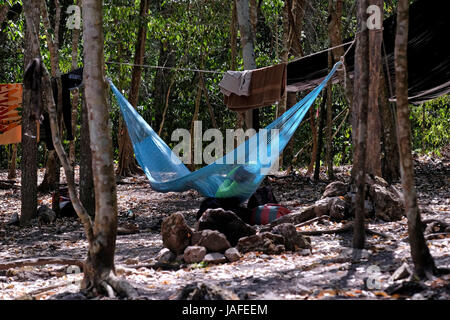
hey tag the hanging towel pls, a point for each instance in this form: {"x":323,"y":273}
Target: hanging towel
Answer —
{"x":237,"y":82}
{"x":267,"y":87}
{"x":10,"y":100}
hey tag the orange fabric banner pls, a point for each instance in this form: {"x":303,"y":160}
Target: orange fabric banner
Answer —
{"x":10,"y":100}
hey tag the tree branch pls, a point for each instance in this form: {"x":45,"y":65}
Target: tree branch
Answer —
{"x":77,"y":205}
{"x":40,"y":261}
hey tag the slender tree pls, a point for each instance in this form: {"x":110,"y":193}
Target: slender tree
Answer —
{"x":359,"y":122}
{"x":4,"y":8}
{"x":373,"y":159}
{"x":87,"y":194}
{"x":247,"y":44}
{"x":52,"y":166}
{"x":99,"y":265}
{"x":233,"y":35}
{"x":127,"y":163}
{"x":76,"y":96}
{"x":423,"y":261}
{"x":29,"y":127}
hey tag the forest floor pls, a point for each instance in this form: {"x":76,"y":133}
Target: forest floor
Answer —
{"x":325,"y":273}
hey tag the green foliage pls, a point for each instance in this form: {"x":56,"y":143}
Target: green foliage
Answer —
{"x":196,"y":35}
{"x":431,"y":125}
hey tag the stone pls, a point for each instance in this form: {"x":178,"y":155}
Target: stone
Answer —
{"x":387,"y":206}
{"x":68,"y":296}
{"x":322,"y":207}
{"x":266,"y":242}
{"x":338,"y":209}
{"x":214,"y":241}
{"x":196,"y":236}
{"x":165,"y":256}
{"x":407,"y":288}
{"x":202,"y":291}
{"x":334,"y":189}
{"x":176,"y":234}
{"x":293,"y":241}
{"x":371,"y":180}
{"x":233,"y":254}
{"x":14,"y":221}
{"x":403,"y":272}
{"x":215,"y":257}
{"x":194,"y":254}
{"x":46,"y":215}
{"x":226,"y":222}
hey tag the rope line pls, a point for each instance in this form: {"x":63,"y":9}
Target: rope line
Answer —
{"x":162,"y":67}
{"x":222,"y":72}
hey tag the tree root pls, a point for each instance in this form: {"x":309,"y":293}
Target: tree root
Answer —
{"x":437,"y":235}
{"x":427,"y":221}
{"x":311,"y":221}
{"x":157,"y":266}
{"x":345,"y":228}
{"x":41,"y":261}
{"x":121,"y":286}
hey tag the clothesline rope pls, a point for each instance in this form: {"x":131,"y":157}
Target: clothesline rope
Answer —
{"x":222,"y":72}
{"x":167,"y":68}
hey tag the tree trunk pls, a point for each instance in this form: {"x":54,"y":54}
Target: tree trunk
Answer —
{"x":194,"y":119}
{"x":373,"y":159}
{"x":166,"y":107}
{"x":291,"y":100}
{"x":76,"y":95}
{"x":12,"y":162}
{"x":127,"y":163}
{"x":248,"y":47}
{"x":281,"y":107}
{"x":29,"y":127}
{"x":4,"y":8}
{"x":52,"y":167}
{"x":359,"y":123}
{"x":320,"y":135}
{"x":99,"y":265}
{"x":102,"y":254}
{"x":423,"y":261}
{"x":87,"y":196}
{"x":298,"y":13}
{"x":335,"y":8}
{"x":313,"y":125}
{"x":390,"y":163}
{"x":161,"y":83}
{"x":329,"y":139}
{"x":233,"y":36}
{"x":208,"y":102}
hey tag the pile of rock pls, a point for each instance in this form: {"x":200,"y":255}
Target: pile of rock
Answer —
{"x":220,"y":236}
{"x":383,"y":201}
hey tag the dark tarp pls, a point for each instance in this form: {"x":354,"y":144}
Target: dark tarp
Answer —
{"x":428,"y":54}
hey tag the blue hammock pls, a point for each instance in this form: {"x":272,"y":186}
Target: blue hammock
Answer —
{"x":237,"y":174}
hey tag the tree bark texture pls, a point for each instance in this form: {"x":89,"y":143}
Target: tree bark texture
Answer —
{"x":423,"y":261}
{"x":247,"y":44}
{"x":99,"y":265}
{"x":359,"y":122}
{"x":29,"y":127}
{"x":373,"y":159}
{"x":87,"y":196}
